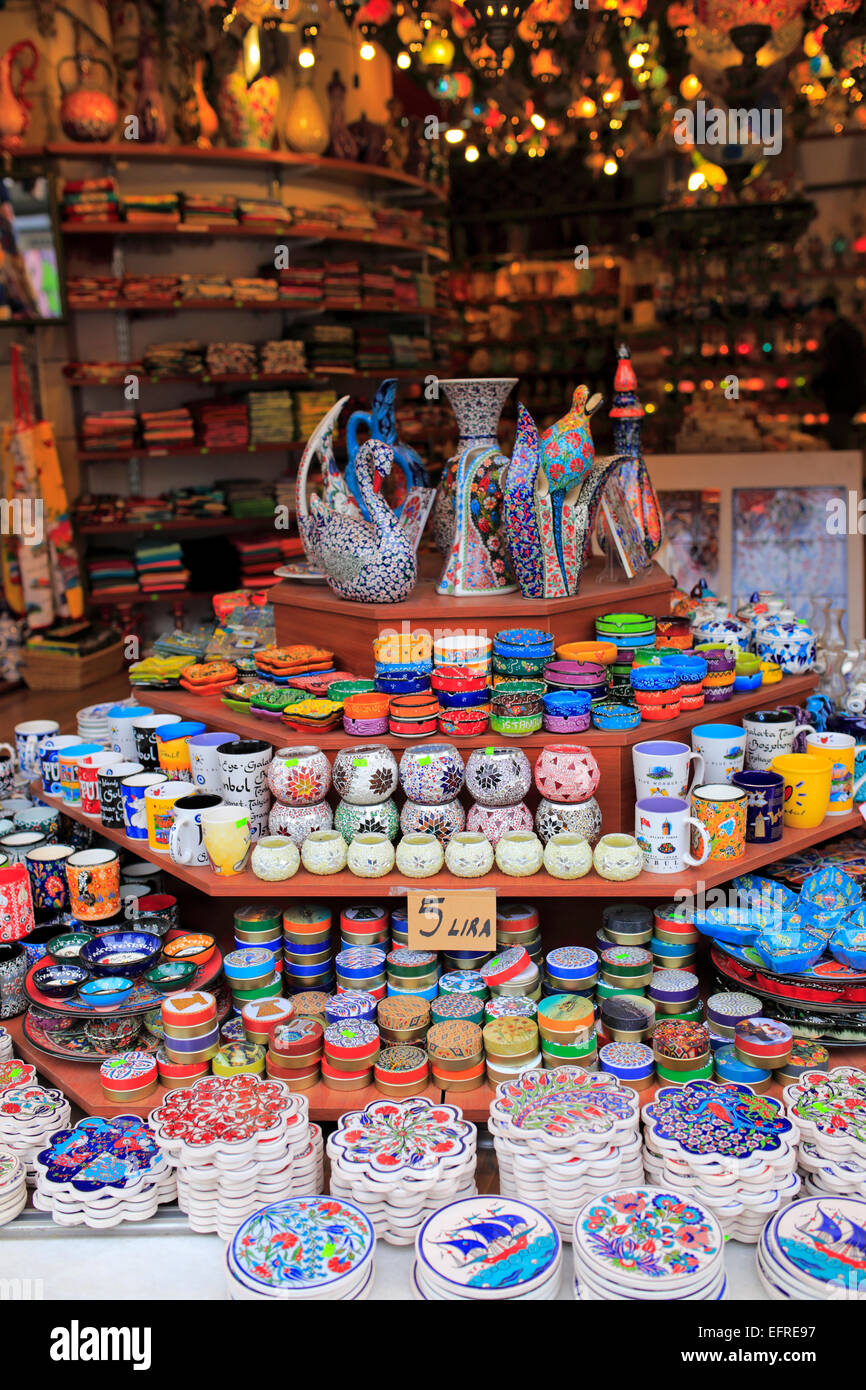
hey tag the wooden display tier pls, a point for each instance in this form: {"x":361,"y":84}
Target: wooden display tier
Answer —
{"x":305,"y":613}
{"x":615,"y":793}
{"x":541,"y":885}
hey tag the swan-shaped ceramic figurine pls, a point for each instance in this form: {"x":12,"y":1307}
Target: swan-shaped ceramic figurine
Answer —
{"x":367,"y":561}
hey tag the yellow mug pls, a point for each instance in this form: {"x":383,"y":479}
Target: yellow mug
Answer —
{"x":159,"y":811}
{"x":225,"y":832}
{"x":840,"y":751}
{"x":806,"y":796}
{"x":172,"y":747}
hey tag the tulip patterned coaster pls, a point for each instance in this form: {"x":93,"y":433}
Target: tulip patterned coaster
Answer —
{"x":233,"y":1141}
{"x":304,"y":1248}
{"x":647,"y":1243}
{"x":815,"y":1249}
{"x":401,"y":1160}
{"x":562,"y":1135}
{"x":29,"y":1115}
{"x":485,"y":1248}
{"x":13,"y":1187}
{"x":102,"y":1172}
{"x":733,"y":1150}
{"x":829,"y":1110}
{"x":16,"y":1073}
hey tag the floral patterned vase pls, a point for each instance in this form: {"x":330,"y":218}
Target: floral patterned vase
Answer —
{"x":469,"y":507}
{"x":248,"y":114}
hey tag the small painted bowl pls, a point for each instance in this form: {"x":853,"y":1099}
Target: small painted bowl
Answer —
{"x":618,"y":623}
{"x":171,"y":975}
{"x":463,"y":699}
{"x":363,"y":728}
{"x":121,"y":953}
{"x":370,"y":705}
{"x":571,"y":674}
{"x":197,"y":947}
{"x":414,"y":706}
{"x":460,"y":649}
{"x":454,"y":680}
{"x":339,"y":690}
{"x":60,"y":981}
{"x":413,"y":728}
{"x":517,"y":666}
{"x":567,"y":702}
{"x":610,"y":714}
{"x":109,"y":992}
{"x":401,"y":669}
{"x":66,"y":948}
{"x":566,"y":723}
{"x":518,"y":698}
{"x":665,"y":677}
{"x":111,"y":1034}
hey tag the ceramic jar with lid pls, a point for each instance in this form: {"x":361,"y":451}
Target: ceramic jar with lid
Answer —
{"x":791,"y":645}
{"x":297,"y":822}
{"x":498,"y":776}
{"x":581,"y":818}
{"x":566,"y":772}
{"x":431,"y":773}
{"x":381,"y":819}
{"x":419,"y":855}
{"x":366,"y":774}
{"x":299,"y":776}
{"x":370,"y":855}
{"x":443,"y":820}
{"x":324,"y":852}
{"x":618,"y":857}
{"x":469,"y":855}
{"x":519,"y":854}
{"x":567,"y":855}
{"x":494,"y":821}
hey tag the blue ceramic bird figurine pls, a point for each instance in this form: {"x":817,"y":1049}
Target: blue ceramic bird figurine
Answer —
{"x":381,"y":423}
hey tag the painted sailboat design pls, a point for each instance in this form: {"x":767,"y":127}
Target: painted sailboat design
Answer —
{"x":826,"y":1233}
{"x":487,"y":1241}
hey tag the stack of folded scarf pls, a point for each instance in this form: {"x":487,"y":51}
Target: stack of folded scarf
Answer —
{"x":160,"y":567}
{"x":167,"y":429}
{"x":111,"y":575}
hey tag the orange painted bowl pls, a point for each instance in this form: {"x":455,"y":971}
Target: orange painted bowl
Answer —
{"x":602,"y":652}
{"x":413,"y":706}
{"x":369,"y":705}
{"x":196,"y":947}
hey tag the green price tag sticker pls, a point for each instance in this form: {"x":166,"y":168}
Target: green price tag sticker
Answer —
{"x":157,"y":526}
{"x":239,"y":824}
{"x":205,"y":449}
{"x":291,"y":762}
{"x":359,"y":762}
{"x":488,"y":751}
{"x":425,"y":761}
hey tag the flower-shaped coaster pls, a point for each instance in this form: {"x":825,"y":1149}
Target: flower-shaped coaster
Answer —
{"x":829,"y":1108}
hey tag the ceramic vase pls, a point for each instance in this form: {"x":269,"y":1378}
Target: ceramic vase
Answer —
{"x":248,"y":114}
{"x":306,"y":124}
{"x":469,"y":855}
{"x":274,"y":858}
{"x":618,"y":857}
{"x":495,"y":821}
{"x":380,"y":423}
{"x":419,"y":855}
{"x":383,"y":819}
{"x":297,"y":822}
{"x":324,"y":852}
{"x":469,"y":520}
{"x":519,"y":854}
{"x":584,"y":818}
{"x":370,"y":855}
{"x":443,"y":821}
{"x":567,"y":855}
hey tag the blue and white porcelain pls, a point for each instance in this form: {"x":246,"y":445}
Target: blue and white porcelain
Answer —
{"x":127,"y":953}
{"x":793,"y":646}
{"x":728,"y":631}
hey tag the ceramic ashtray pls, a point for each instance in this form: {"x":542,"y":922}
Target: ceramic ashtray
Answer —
{"x":59,"y":981}
{"x":109,"y":992}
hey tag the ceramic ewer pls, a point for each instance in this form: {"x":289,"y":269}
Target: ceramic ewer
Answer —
{"x":381,"y":423}
{"x":469,"y":507}
{"x":566,"y":456}
{"x":626,"y":415}
{"x":366,"y":561}
{"x":521,"y":522}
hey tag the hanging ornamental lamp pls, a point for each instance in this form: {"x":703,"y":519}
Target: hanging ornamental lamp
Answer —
{"x":748,"y":23}
{"x":497,"y":21}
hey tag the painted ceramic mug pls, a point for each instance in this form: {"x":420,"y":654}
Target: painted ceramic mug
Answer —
{"x":49,"y":761}
{"x":30,"y":738}
{"x":661,"y":768}
{"x":204,"y":762}
{"x":110,"y":783}
{"x":185,"y":844}
{"x":88,"y":779}
{"x":765,"y":795}
{"x":159,"y":802}
{"x":134,"y":809}
{"x":722,"y":747}
{"x":93,"y":879}
{"x":69,"y":760}
{"x":7,"y":768}
{"x":172,"y":748}
{"x":807,"y":788}
{"x":244,"y":774}
{"x":226,"y":835}
{"x":769,"y":733}
{"x":144,"y":728}
{"x":661,"y":828}
{"x":721,"y":809}
{"x":120,"y":730}
{"x":43,"y":819}
{"x":46,"y":867}
{"x":16,"y":918}
{"x":17,"y":845}
{"x":840,"y":751}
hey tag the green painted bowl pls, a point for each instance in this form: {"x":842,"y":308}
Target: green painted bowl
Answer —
{"x":171,"y":975}
{"x":66,"y":948}
{"x":340,"y":690}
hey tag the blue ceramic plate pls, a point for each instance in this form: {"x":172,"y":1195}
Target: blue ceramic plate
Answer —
{"x":60,"y":981}
{"x":107,"y":992}
{"x":127,"y":953}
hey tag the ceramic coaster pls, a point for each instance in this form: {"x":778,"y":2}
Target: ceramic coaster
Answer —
{"x":816,"y":1248}
{"x":488,"y":1248}
{"x":829,"y":1108}
{"x":16,"y":1073}
{"x":304,"y":1248}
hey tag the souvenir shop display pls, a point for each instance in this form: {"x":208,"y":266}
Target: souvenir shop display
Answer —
{"x":302,"y":1248}
{"x":102,"y":1172}
{"x":647,"y":1243}
{"x":487,"y":1247}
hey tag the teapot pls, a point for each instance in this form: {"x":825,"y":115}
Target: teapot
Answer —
{"x":87,"y":113}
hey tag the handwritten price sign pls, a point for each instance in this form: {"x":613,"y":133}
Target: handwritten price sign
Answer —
{"x":462,"y":920}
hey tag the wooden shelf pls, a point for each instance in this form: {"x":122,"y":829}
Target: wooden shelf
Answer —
{"x":183,"y":451}
{"x":541,"y":885}
{"x":293,"y":231}
{"x":192,"y":526}
{"x":312,"y":380}
{"x":255,"y":306}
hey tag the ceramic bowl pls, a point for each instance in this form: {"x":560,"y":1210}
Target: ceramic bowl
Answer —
{"x":325,"y":851}
{"x":402,"y":685}
{"x":171,"y":975}
{"x":582,"y":818}
{"x":516,"y":725}
{"x":461,"y":723}
{"x":618,"y":857}
{"x":196,"y":947}
{"x":341,"y":690}
{"x":495,"y":821}
{"x":111,"y":1034}
{"x":461,"y":648}
{"x":365,"y":728}
{"x":518,"y":698}
{"x":404,"y":668}
{"x":127,"y":953}
{"x":662,"y":677}
{"x":396,"y":646}
{"x":414,"y":706}
{"x":789,"y":952}
{"x":498,"y":776}
{"x":531,"y":668}
{"x":299,"y":776}
{"x":463,"y":699}
{"x":274,"y":858}
{"x":60,"y":981}
{"x":469,"y":855}
{"x":442,"y":820}
{"x":412,"y":728}
{"x":383,"y":819}
{"x":575,"y":675}
{"x":566,"y":772}
{"x":370,"y":855}
{"x":65,"y":949}
{"x":601,"y":652}
{"x":365,"y":774}
{"x":370,"y":706}
{"x":419,"y":855}
{"x":522,"y":642}
{"x":848,"y":945}
{"x":619,"y":623}
{"x":431,"y":773}
{"x":614,"y":714}
{"x":442,"y":680}
{"x":109,"y":992}
{"x":519,"y":854}
{"x":297,"y":822}
{"x":567,"y":855}
{"x":566,"y":724}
